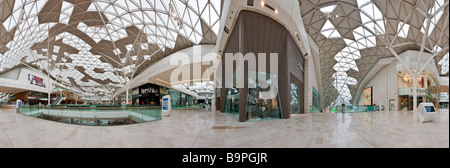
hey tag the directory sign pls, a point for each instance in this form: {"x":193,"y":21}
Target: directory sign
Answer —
{"x":426,"y":112}
{"x":19,"y":103}
{"x":429,"y":109}
{"x":166,"y":104}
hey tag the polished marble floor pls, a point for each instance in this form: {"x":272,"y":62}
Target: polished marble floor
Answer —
{"x":206,"y":129}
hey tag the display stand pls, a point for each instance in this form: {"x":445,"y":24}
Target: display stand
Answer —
{"x":166,"y":106}
{"x":18,"y":103}
{"x":426,"y":112}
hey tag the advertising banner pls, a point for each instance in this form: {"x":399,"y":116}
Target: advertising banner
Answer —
{"x":34,"y":80}
{"x":368,"y":96}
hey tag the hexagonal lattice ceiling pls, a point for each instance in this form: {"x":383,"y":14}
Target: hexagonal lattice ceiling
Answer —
{"x":353,"y":34}
{"x":90,"y":43}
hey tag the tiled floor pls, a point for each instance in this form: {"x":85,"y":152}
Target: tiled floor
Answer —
{"x":187,"y":129}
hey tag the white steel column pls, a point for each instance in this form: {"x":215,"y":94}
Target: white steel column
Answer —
{"x":127,"y":97}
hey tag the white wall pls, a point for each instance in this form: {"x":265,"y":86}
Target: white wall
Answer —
{"x":13,"y":81}
{"x":312,"y":76}
{"x":385,"y":86}
{"x":13,"y":74}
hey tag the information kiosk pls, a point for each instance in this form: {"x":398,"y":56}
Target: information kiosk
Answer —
{"x":426,"y":112}
{"x":166,"y":106}
{"x":18,"y":105}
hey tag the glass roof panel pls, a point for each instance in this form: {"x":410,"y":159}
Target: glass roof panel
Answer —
{"x":436,"y":5}
{"x":328,"y":25}
{"x":329,"y":31}
{"x":66,"y":11}
{"x":328,"y":9}
{"x":162,"y":21}
{"x":403,"y":32}
{"x":444,"y":63}
{"x":372,"y":17}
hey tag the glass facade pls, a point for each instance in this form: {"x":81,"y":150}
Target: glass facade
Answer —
{"x":175,"y":97}
{"x":263,"y":103}
{"x":135,"y":96}
{"x":179,"y":99}
{"x":316,"y":101}
{"x":232,"y":98}
{"x":295,"y":99}
{"x":232,"y":102}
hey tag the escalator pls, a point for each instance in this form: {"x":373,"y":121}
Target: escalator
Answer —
{"x":58,"y":101}
{"x":3,"y":98}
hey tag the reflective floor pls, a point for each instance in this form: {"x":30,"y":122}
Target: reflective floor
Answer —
{"x":188,"y":128}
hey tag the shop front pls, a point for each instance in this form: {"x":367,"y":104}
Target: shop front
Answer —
{"x":149,"y":95}
{"x":135,"y":96}
{"x":427,"y":91}
{"x":443,"y":100}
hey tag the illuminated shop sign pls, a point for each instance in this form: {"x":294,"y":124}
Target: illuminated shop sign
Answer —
{"x":149,"y":89}
{"x":409,"y":91}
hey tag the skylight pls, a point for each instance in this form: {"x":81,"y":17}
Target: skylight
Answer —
{"x":161,"y":21}
{"x":66,"y":12}
{"x":437,"y":4}
{"x":371,"y":16}
{"x":329,"y":31}
{"x":328,"y":9}
{"x":403,"y":32}
{"x":16,"y":16}
{"x":444,"y":64}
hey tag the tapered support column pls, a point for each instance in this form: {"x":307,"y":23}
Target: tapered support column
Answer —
{"x":414,"y":94}
{"x":127,"y":98}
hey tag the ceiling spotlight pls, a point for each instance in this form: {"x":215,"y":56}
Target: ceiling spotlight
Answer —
{"x":276,"y":11}
{"x":263,"y":4}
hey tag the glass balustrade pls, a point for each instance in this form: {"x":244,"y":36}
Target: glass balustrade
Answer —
{"x":94,"y":115}
{"x":356,"y":109}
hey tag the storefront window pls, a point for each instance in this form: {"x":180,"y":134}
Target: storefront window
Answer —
{"x":316,"y":101}
{"x":175,"y":98}
{"x":232,"y":97}
{"x":135,"y":96}
{"x":427,"y":91}
{"x":295,"y":99}
{"x":232,"y":102}
{"x":263,"y":102}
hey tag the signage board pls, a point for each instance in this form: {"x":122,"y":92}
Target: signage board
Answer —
{"x":409,"y":91}
{"x":368,"y":97}
{"x":167,"y":106}
{"x":426,"y":112}
{"x":34,"y":80}
{"x":19,"y":104}
{"x":149,"y":89}
{"x":166,"y":103}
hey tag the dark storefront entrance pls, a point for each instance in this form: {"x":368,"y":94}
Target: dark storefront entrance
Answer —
{"x":149,"y":95}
